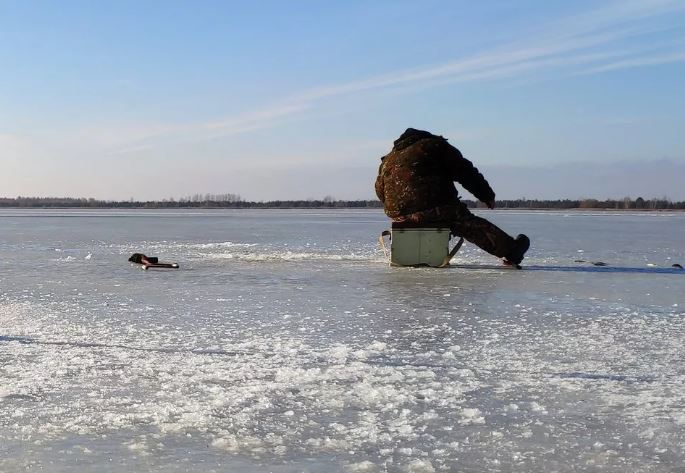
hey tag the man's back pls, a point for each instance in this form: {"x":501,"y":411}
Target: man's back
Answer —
{"x":418,"y":175}
{"x":415,"y":176}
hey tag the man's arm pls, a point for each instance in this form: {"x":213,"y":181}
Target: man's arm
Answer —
{"x":380,"y":187}
{"x":465,"y":173}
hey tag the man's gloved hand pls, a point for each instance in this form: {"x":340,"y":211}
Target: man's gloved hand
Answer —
{"x":490,"y":204}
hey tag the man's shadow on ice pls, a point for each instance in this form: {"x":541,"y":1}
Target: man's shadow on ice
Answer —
{"x":575,"y":269}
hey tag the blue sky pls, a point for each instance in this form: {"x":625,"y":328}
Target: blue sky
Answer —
{"x":299,"y":99}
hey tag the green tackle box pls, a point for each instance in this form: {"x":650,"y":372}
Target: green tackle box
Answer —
{"x":419,"y":246}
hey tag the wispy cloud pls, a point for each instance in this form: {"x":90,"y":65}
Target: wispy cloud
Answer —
{"x":576,"y":42}
{"x":562,"y":51}
{"x":255,"y":120}
{"x":639,"y":62}
{"x":591,"y":41}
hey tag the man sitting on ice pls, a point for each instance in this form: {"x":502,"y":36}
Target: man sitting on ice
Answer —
{"x":416,"y":184}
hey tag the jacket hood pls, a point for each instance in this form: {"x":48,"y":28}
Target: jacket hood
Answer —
{"x":409,"y":137}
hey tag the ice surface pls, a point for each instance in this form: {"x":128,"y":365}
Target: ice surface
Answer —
{"x":285,"y":343}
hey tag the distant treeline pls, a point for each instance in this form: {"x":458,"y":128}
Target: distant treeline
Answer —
{"x":610,"y":204}
{"x":189,"y":202}
{"x":233,"y":201}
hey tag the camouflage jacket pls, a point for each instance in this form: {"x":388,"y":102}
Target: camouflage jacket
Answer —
{"x":418,"y":175}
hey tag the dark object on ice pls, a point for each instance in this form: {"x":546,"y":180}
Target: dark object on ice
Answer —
{"x":416,"y":184}
{"x":676,"y":265}
{"x":150,"y":261}
{"x":140,"y":258}
{"x":594,"y":263}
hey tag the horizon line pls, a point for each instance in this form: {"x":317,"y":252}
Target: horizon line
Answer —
{"x":326,"y":199}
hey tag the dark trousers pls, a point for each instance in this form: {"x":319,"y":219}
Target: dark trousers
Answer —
{"x":462,"y":222}
{"x":482,"y":233}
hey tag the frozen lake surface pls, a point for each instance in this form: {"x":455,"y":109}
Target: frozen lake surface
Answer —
{"x":285,"y":343}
